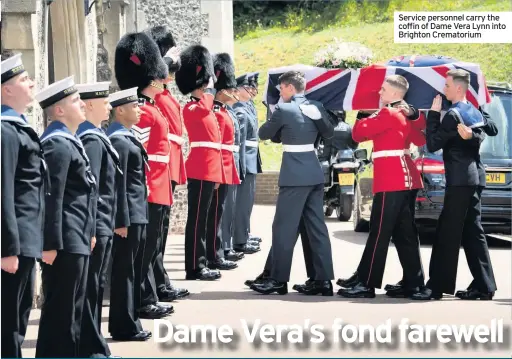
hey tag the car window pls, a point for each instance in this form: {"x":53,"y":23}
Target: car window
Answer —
{"x":500,"y":111}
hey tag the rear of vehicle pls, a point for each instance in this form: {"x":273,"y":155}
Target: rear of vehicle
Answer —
{"x":495,"y":154}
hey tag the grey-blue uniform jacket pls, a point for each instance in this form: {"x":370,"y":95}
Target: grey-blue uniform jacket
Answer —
{"x":298,"y":124}
{"x":239,"y":155}
{"x":252,"y":153}
{"x":70,"y":214}
{"x":105,"y":168}
{"x":24,"y":181}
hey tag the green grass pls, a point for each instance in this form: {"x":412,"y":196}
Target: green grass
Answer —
{"x":269,"y":48}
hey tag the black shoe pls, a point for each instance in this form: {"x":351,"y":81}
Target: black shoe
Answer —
{"x":139,"y":337}
{"x":166,"y":295}
{"x":247,"y":249}
{"x":474,"y":294}
{"x":401,"y":292}
{"x":259,"y":279}
{"x":323,"y":287}
{"x":169,"y":309}
{"x":152,"y":312}
{"x":222,"y":264}
{"x":425,"y":293}
{"x":254,"y":238}
{"x":348,"y":282}
{"x":300,"y":287}
{"x":203,"y":274}
{"x":394,"y":287}
{"x":178,"y":292}
{"x":253,"y":243}
{"x":269,"y":286}
{"x":360,"y":290}
{"x":470,"y":287}
{"x":231,"y":255}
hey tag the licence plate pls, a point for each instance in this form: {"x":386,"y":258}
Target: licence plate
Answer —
{"x":495,"y":178}
{"x":346,"y":179}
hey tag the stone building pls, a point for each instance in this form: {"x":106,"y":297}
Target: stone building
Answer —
{"x":59,"y":38}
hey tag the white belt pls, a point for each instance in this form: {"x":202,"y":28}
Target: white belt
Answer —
{"x":390,"y":153}
{"x":251,"y":143}
{"x":298,"y":148}
{"x":158,"y":158}
{"x":175,"y":138}
{"x":214,"y":145}
{"x":232,"y":148}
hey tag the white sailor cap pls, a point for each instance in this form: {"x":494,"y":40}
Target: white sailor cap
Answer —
{"x":123,"y":97}
{"x":56,"y":92}
{"x":93,"y":90}
{"x":11,"y":67}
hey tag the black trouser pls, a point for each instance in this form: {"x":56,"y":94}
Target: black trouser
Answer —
{"x":125,"y":287}
{"x":17,"y":296}
{"x":154,"y":240}
{"x":306,"y":249}
{"x":64,"y":290}
{"x":244,"y":203}
{"x":391,"y":215}
{"x":460,"y":223}
{"x":214,"y":249}
{"x":200,"y":194}
{"x":91,"y":340}
{"x":161,"y":278}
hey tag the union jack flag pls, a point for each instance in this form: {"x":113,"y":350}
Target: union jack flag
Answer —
{"x":346,"y":89}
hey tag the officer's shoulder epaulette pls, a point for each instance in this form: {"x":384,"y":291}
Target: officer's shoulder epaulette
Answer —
{"x":310,"y":111}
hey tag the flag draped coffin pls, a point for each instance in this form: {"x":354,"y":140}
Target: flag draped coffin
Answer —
{"x":358,"y":89}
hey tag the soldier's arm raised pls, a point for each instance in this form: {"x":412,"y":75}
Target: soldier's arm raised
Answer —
{"x":367,"y":128}
{"x":57,"y":155}
{"x":10,"y":145}
{"x":272,"y":126}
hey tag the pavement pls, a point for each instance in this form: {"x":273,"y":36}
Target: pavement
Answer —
{"x":229,"y":303}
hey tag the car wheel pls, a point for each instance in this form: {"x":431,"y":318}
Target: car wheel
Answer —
{"x":360,"y":225}
{"x":344,"y":210}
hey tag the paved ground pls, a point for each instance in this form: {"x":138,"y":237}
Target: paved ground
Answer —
{"x":228,"y":302}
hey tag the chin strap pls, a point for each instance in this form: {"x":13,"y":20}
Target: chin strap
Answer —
{"x":157,"y":85}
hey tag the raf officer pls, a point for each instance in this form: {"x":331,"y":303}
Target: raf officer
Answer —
{"x":23,"y":185}
{"x":104,"y":166}
{"x":301,"y":180}
{"x":69,"y":222}
{"x":246,"y":190}
{"x":130,"y":221}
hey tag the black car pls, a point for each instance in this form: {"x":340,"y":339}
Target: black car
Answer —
{"x":495,"y":154}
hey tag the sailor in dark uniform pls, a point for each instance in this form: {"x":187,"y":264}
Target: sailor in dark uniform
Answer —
{"x":69,"y":222}
{"x":23,"y":186}
{"x":130,"y":221}
{"x":298,"y":123}
{"x":104,"y":166}
{"x":246,"y":190}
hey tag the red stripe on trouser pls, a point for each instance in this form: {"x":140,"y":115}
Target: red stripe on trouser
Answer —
{"x":215,"y":230}
{"x":197,"y":220}
{"x":378,"y":235}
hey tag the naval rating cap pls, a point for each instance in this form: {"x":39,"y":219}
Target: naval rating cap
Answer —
{"x":11,"y":67}
{"x":93,"y":90}
{"x":123,"y":97}
{"x":56,"y":92}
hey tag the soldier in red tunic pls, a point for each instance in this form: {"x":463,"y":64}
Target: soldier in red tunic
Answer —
{"x":144,"y":68}
{"x":226,"y":96}
{"x":204,"y":163}
{"x":395,"y":184}
{"x":171,"y":109}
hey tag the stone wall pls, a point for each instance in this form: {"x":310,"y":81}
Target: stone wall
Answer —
{"x":266,"y":187}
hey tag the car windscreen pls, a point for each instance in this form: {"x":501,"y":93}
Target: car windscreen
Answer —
{"x":500,"y":111}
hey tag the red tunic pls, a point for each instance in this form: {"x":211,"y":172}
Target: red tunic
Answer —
{"x":172,"y":111}
{"x":227,"y":130}
{"x":392,"y":135}
{"x":205,"y":159}
{"x":152,"y":131}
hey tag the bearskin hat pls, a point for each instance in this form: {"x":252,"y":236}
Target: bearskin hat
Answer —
{"x":165,"y":41}
{"x":224,"y":72}
{"x":196,"y":69}
{"x":138,"y":61}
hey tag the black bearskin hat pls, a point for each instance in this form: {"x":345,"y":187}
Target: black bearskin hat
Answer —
{"x":224,"y":71}
{"x":138,"y":61}
{"x":165,"y":41}
{"x":196,"y":69}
